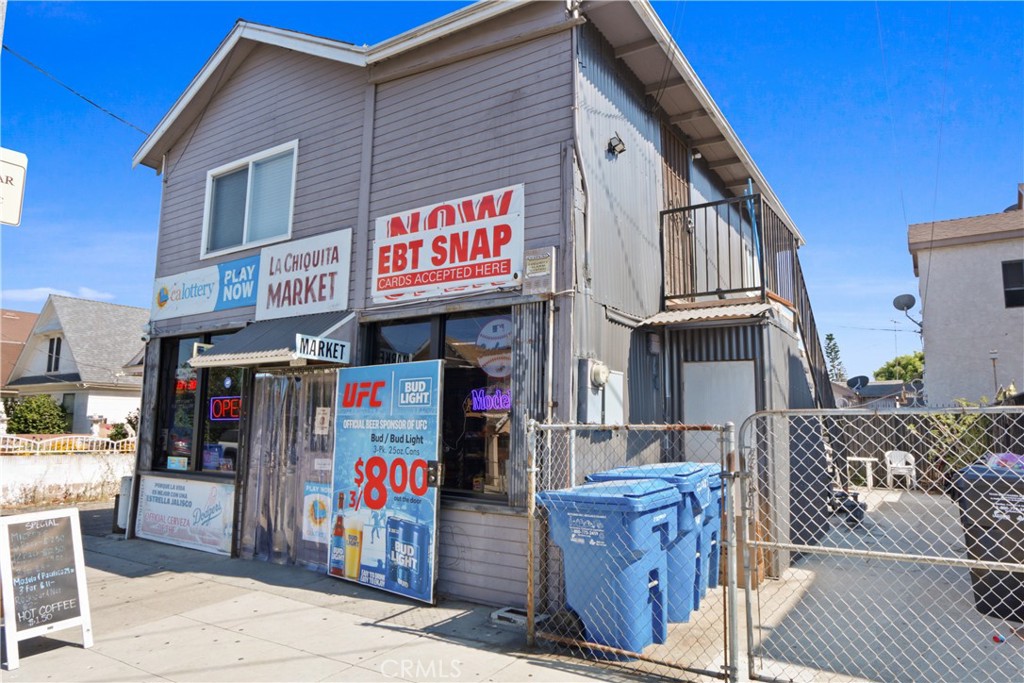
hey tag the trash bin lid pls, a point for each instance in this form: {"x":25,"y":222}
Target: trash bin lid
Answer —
{"x":687,"y":477}
{"x":714,"y":474}
{"x":630,"y":495}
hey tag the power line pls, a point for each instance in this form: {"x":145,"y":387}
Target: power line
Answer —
{"x":72,"y":90}
{"x":938,"y":154}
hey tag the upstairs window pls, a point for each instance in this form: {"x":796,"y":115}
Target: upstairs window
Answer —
{"x":53,"y":356}
{"x":1013,"y":283}
{"x":249,"y":202}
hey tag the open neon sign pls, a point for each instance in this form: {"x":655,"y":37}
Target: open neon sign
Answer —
{"x":224,"y":408}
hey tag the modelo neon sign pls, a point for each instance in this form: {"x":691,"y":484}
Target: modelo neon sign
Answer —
{"x":499,"y":400}
{"x":223,"y":408}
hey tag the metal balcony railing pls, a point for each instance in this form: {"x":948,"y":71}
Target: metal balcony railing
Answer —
{"x":737,"y":250}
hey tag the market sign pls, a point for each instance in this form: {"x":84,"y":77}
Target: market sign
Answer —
{"x":320,"y":348}
{"x":13,"y":168}
{"x":214,"y":288}
{"x":305,"y":276}
{"x":385,"y":495}
{"x":468,"y":245}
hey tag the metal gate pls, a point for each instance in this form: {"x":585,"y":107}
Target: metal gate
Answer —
{"x":600,"y":587}
{"x":884,"y":546}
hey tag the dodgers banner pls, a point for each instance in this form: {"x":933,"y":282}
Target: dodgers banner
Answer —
{"x":385,"y":495}
{"x":215,"y":288}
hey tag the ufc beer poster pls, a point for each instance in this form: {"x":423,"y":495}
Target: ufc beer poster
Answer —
{"x":385,"y":499}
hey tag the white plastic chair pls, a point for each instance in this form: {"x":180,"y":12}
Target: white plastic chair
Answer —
{"x":900,"y":463}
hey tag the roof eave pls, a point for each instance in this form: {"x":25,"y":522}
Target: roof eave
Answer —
{"x":439,"y":28}
{"x":664,"y":39}
{"x":216,"y":67}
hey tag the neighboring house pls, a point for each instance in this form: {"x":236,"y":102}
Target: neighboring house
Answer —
{"x":610,"y":268}
{"x":971,"y":279}
{"x":75,"y":353}
{"x":15,"y":328}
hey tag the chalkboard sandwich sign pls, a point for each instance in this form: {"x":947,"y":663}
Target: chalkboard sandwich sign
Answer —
{"x":42,"y":569}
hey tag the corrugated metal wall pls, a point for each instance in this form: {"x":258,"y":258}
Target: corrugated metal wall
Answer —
{"x":741,"y":342}
{"x":529,"y":394}
{"x":624,"y":191}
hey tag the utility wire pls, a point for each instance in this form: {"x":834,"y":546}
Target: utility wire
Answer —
{"x":72,"y":90}
{"x":938,"y":154}
{"x":892,"y":114}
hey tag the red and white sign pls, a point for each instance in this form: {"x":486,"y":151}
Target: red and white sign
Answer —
{"x":305,"y":276}
{"x":461,"y":246}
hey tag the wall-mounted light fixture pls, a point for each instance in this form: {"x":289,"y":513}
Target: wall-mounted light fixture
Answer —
{"x":615,"y":144}
{"x":697,"y":154}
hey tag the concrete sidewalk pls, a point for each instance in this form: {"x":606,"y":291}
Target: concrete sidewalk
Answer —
{"x":162,"y":613}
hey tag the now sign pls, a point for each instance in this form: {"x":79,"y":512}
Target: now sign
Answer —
{"x":460,"y":246}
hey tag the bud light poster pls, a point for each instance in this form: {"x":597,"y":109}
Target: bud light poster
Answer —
{"x":385,"y":497}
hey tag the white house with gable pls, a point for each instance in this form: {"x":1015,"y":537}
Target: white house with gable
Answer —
{"x":76,"y":353}
{"x":971,"y":278}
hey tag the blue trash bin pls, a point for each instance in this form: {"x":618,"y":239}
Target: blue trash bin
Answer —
{"x":691,"y":480}
{"x":710,"y":546}
{"x":613,"y":537}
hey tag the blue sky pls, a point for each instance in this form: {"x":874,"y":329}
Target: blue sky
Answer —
{"x":856,"y":137}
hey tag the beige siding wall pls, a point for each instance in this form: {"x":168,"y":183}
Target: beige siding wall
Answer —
{"x":483,"y":123}
{"x":482,"y":557}
{"x":274,"y":97}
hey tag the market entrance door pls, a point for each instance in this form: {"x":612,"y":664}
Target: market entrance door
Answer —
{"x":286,"y":508}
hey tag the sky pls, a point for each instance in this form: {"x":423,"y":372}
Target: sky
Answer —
{"x":863,"y":117}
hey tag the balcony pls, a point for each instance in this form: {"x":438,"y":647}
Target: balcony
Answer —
{"x":739,"y":251}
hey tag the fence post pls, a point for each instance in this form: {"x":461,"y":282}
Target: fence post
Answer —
{"x":730,"y":539}
{"x":531,"y":511}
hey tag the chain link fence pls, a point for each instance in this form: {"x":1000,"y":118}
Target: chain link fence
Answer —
{"x":884,"y":546}
{"x":632,"y":569}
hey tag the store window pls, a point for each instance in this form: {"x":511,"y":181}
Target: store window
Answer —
{"x":249,"y":202}
{"x":200,"y":411}
{"x":476,"y":411}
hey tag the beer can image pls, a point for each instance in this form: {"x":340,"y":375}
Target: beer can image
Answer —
{"x":407,"y":546}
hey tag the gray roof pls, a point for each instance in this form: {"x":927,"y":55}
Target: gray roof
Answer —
{"x":102,"y":337}
{"x":709,"y":313}
{"x":272,"y":341}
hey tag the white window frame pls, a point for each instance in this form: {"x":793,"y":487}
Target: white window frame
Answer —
{"x":248,"y":161}
{"x":53,"y":353}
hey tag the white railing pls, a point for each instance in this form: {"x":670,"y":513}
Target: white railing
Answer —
{"x":64,"y":445}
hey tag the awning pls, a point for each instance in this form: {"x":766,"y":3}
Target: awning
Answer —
{"x":321,"y":336}
{"x":709,"y":314}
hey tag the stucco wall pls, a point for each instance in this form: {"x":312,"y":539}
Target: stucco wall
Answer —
{"x":36,"y":479}
{"x":965,"y":317}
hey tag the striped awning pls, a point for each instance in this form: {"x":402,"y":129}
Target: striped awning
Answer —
{"x":272,"y":342}
{"x":709,"y":314}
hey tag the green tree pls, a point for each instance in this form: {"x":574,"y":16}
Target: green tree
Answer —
{"x":906,"y":367}
{"x":836,"y":370}
{"x":36,"y":415}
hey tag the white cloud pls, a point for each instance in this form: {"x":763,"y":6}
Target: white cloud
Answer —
{"x":39,"y":294}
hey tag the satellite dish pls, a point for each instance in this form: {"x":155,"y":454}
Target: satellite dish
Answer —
{"x":904,"y":302}
{"x":857,"y":383}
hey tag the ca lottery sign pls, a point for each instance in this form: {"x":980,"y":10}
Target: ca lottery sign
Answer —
{"x":456,"y":247}
{"x":215,"y":288}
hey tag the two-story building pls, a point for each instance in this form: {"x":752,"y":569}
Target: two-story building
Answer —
{"x":542,"y":195}
{"x":971,"y":279}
